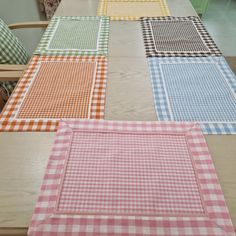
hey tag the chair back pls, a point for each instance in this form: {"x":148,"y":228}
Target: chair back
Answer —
{"x":12,"y":50}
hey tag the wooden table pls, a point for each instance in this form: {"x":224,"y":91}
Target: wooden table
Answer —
{"x":129,"y":97}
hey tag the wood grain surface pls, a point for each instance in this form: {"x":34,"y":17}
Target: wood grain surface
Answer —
{"x":129,"y":97}
{"x":23,"y":160}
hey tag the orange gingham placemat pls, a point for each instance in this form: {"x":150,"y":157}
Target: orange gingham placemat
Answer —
{"x":56,"y":87}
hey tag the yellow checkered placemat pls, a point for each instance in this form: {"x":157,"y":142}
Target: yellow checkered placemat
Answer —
{"x":132,"y":9}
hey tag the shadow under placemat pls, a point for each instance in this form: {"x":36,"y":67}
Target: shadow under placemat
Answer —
{"x":221,"y":148}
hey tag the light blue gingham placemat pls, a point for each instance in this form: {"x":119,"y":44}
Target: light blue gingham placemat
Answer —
{"x":201,"y":89}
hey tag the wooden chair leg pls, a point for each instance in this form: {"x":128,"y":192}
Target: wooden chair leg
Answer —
{"x":2,"y":103}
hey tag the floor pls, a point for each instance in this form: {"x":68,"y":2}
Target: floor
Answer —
{"x":219,"y":20}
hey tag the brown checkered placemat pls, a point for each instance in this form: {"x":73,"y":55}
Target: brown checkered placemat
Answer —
{"x":177,"y":37}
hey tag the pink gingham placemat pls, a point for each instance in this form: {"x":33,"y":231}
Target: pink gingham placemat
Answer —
{"x":130,"y":178}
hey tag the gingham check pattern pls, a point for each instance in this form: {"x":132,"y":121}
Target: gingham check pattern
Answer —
{"x":107,"y":8}
{"x":119,"y":180}
{"x":65,"y":93}
{"x":11,"y":49}
{"x":51,"y":34}
{"x":11,"y":52}
{"x":198,"y":89}
{"x":177,"y":37}
{"x":9,"y":120}
{"x":49,"y":218}
{"x":75,"y":34}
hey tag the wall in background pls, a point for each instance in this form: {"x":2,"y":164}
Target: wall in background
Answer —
{"x":12,"y":11}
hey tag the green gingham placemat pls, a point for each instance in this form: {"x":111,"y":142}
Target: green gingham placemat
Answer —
{"x":69,"y":35}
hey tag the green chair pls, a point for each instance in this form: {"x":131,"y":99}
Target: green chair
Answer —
{"x":200,"y":6}
{"x":13,"y":57}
